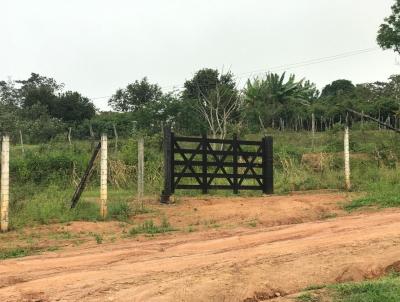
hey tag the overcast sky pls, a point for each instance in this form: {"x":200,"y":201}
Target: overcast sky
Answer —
{"x":96,"y":46}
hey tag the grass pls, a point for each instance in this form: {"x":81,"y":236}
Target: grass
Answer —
{"x":307,"y":297}
{"x":149,"y":227}
{"x":97,"y":237}
{"x":52,"y":205}
{"x":382,"y":193}
{"x":385,"y":289}
{"x":19,"y":252}
{"x":253,"y":223}
{"x":44,"y":178}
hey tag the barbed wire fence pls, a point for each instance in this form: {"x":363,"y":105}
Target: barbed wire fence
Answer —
{"x":40,"y":179}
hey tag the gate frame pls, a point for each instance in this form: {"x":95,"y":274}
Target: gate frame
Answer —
{"x":204,"y":148}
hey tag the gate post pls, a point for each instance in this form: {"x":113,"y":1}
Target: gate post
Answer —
{"x":168,"y":161}
{"x":268,"y":165}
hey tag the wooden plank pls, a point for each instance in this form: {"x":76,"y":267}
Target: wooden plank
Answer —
{"x":213,"y":164}
{"x":235,"y":164}
{"x":216,"y":141}
{"x":220,"y":175}
{"x":204,"y":166}
{"x":215,"y":152}
{"x":82,"y":183}
{"x":217,"y":187}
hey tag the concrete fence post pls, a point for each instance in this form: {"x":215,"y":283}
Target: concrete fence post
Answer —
{"x":140,"y":170}
{"x":5,"y":182}
{"x":103,"y":176}
{"x":347,"y":157}
{"x":21,"y":141}
{"x":313,"y":129}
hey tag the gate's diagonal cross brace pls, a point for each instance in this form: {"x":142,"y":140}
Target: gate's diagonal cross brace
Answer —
{"x":188,"y":163}
{"x":249,"y":167}
{"x":219,"y":163}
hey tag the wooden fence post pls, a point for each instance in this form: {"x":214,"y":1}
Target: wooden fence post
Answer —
{"x":268,"y":165}
{"x":140,"y":179}
{"x":167,"y":146}
{"x":103,"y":176}
{"x":313,"y":129}
{"x":69,"y":135}
{"x":5,"y":182}
{"x":347,"y":157}
{"x":22,"y":142}
{"x":116,"y":138}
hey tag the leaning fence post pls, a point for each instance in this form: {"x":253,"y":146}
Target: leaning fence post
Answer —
{"x":347,"y":156}
{"x":5,"y":182}
{"x":140,"y":179}
{"x":103,"y":176}
{"x":116,"y":138}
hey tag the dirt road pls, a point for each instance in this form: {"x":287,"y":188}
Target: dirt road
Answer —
{"x":223,"y":265}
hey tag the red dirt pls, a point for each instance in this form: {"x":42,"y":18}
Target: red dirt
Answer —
{"x":227,"y":264}
{"x":240,"y":211}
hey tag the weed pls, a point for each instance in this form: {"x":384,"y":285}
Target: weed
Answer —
{"x":18,"y":252}
{"x":307,"y":297}
{"x":97,"y":237}
{"x":191,"y":229}
{"x":148,"y":227}
{"x":253,"y":223}
{"x":326,"y":215}
{"x":386,"y":289}
{"x":120,"y":210}
{"x":314,"y":287}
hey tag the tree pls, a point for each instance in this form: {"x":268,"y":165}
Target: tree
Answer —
{"x":215,"y":97}
{"x":218,"y":108}
{"x":273,"y":97}
{"x":337,"y":88}
{"x":39,"y":90}
{"x":205,"y":81}
{"x":135,"y":96}
{"x":73,"y":107}
{"x":9,"y":94}
{"x":389,"y":31}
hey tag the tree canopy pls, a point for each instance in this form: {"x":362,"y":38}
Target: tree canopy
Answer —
{"x":389,"y":31}
{"x":135,"y":96}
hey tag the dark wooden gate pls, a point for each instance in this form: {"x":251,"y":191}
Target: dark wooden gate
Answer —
{"x":206,"y":164}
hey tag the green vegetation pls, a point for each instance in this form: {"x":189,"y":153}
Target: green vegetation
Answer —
{"x":307,"y":297}
{"x":148,"y":227}
{"x":97,"y":237}
{"x":384,"y":289}
{"x":21,"y":252}
{"x":15,"y":253}
{"x":381,"y":194}
{"x":43,"y":179}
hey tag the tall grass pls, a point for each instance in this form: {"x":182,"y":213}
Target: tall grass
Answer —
{"x":43,"y":179}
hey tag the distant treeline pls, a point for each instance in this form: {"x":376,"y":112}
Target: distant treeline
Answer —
{"x":210,"y":102}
